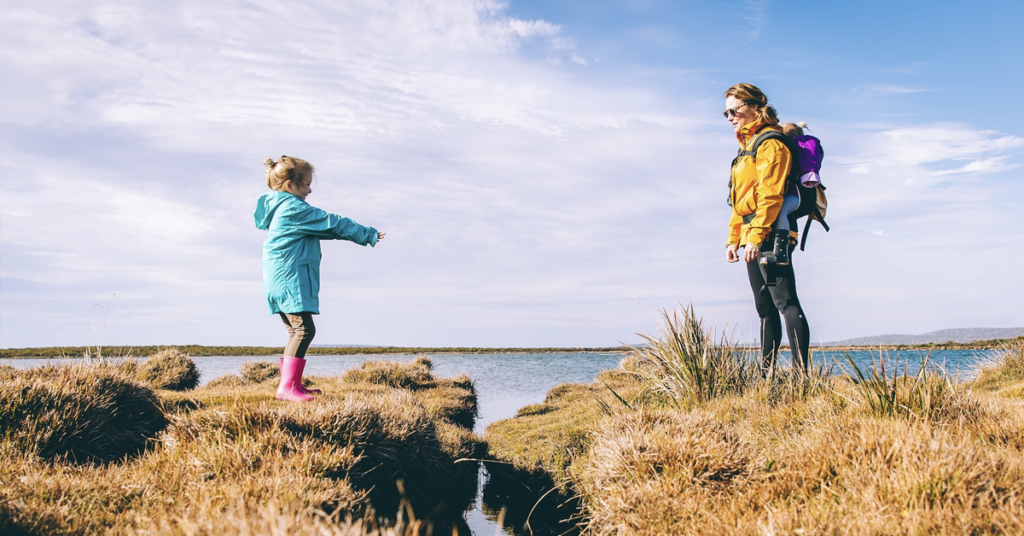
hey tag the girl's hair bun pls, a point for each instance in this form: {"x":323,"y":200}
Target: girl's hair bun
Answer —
{"x":287,"y":168}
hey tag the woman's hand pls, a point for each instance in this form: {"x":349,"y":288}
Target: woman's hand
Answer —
{"x":751,"y":253}
{"x":380,"y":235}
{"x":730,"y":253}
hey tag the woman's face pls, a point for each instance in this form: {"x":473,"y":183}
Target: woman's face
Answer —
{"x":739,"y":113}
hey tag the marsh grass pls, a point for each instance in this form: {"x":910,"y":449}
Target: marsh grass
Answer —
{"x":259,"y":371}
{"x":691,"y":364}
{"x":168,"y":369}
{"x":786,"y":385}
{"x":80,"y":413}
{"x":409,"y":375}
{"x":1005,"y":372}
{"x":233,"y":460}
{"x":930,"y":394}
{"x":685,"y":439}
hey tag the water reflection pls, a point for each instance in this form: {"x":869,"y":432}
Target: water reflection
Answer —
{"x":527,"y":504}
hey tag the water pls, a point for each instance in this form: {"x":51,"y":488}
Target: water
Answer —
{"x":507,"y":382}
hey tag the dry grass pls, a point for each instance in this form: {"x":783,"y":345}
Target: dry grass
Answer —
{"x":698,"y":446}
{"x":236,"y":461}
{"x":168,"y":369}
{"x":1005,"y":374}
{"x":738,"y":467}
{"x":410,"y":375}
{"x":78,"y":413}
{"x":547,"y":437}
{"x":260,"y":371}
{"x":689,"y":365}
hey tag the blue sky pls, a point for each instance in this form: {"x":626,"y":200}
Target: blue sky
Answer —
{"x":549,"y":173}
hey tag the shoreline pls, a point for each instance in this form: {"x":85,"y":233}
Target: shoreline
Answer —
{"x":263,"y":351}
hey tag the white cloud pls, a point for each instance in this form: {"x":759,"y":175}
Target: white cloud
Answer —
{"x":755,"y":12}
{"x":500,"y":180}
{"x":518,"y":195}
{"x":895,"y":89}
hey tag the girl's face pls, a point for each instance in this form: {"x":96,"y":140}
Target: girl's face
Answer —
{"x":301,"y":189}
{"x":739,"y":113}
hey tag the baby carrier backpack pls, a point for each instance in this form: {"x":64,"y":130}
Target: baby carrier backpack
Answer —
{"x":813,"y":203}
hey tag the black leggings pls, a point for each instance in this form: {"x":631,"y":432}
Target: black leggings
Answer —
{"x":775,"y":292}
{"x":300,"y":333}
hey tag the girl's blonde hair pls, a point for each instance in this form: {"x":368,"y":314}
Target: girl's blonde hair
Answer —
{"x":793,"y":129}
{"x":287,"y":168}
{"x":749,"y":94}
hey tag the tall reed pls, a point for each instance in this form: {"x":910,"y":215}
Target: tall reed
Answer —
{"x":928,"y":395}
{"x":691,"y":364}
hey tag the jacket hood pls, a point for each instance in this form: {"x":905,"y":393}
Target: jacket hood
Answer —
{"x":266,"y":206}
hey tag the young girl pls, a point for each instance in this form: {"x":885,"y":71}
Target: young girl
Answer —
{"x":291,"y":260}
{"x":808,"y":160}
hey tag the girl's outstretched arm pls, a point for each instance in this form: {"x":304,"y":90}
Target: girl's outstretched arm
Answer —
{"x":310,"y":220}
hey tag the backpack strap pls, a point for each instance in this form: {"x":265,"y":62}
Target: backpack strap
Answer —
{"x":760,"y":138}
{"x":816,"y":215}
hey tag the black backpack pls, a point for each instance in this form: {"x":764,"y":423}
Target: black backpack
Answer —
{"x":813,"y":203}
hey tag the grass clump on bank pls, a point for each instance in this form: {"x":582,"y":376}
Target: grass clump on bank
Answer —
{"x":168,"y":369}
{"x":260,"y":371}
{"x":411,"y":375}
{"x":77,"y":413}
{"x":230,"y":460}
{"x":700,"y":444}
{"x":1005,"y":373}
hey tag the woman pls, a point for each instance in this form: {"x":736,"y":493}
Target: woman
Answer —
{"x":756,"y":190}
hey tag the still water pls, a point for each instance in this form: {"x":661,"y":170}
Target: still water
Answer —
{"x":507,"y":382}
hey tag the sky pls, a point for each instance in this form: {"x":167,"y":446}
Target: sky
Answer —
{"x":548,"y":173}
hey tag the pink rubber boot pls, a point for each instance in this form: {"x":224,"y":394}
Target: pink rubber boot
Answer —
{"x":314,"y":392}
{"x":291,"y":380}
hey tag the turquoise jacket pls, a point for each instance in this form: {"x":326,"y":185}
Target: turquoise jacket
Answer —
{"x":291,"y":252}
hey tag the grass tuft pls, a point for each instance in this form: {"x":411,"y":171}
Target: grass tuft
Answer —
{"x":411,"y":375}
{"x":169,"y":369}
{"x":684,"y":438}
{"x":79,"y":412}
{"x":1005,"y":373}
{"x":226,"y":381}
{"x":259,"y":371}
{"x":689,"y":365}
{"x":929,"y":394}
{"x":233,"y":460}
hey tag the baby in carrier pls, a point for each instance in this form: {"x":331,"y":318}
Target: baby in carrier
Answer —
{"x":807,"y":159}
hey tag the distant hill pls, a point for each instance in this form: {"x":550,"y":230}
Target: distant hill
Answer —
{"x":940,"y":336}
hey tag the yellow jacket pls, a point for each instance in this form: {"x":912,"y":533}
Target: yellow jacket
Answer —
{"x":757,"y":188}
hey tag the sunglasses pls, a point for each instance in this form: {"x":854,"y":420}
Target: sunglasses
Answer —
{"x":731,"y":112}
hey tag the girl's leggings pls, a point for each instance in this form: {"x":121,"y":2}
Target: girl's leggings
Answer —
{"x":774,"y":289}
{"x":300,"y":333}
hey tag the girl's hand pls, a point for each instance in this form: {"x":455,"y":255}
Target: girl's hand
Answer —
{"x":380,"y":235}
{"x":751,"y":253}
{"x":730,"y":253}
